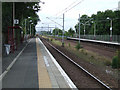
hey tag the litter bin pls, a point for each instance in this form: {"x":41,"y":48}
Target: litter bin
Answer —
{"x":7,"y":48}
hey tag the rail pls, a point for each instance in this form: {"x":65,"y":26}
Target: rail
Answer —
{"x":103,"y":84}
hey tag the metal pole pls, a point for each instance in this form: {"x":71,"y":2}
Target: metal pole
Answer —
{"x":63,"y":32}
{"x":48,"y":28}
{"x":13,"y":13}
{"x":30,"y":29}
{"x":84,"y":29}
{"x":55,"y":30}
{"x":25,"y":27}
{"x":79,"y":28}
{"x":94,"y":29}
{"x":25,"y":31}
{"x":111,"y":29}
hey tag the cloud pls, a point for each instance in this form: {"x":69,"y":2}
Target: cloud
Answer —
{"x":88,"y":7}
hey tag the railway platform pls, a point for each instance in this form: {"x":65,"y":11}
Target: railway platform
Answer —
{"x":35,"y":67}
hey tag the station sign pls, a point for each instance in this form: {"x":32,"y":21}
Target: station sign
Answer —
{"x":16,"y":21}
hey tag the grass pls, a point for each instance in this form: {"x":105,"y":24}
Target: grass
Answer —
{"x":83,"y":54}
{"x":92,"y":57}
{"x":89,"y":56}
{"x":56,"y":42}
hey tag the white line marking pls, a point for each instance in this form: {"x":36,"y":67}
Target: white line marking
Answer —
{"x":46,"y":61}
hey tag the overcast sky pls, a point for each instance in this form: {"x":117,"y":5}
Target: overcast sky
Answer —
{"x":54,"y":8}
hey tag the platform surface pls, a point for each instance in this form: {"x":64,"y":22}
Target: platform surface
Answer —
{"x":36,"y":68}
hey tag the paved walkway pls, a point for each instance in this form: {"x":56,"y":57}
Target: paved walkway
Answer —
{"x":36,"y":68}
{"x":23,"y":73}
{"x":7,"y":59}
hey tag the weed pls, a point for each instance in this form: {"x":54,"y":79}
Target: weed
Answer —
{"x":78,"y":46}
{"x":116,"y":60}
{"x":107,"y":63}
{"x":82,"y":50}
{"x":92,"y":57}
{"x":69,"y":45}
{"x":51,"y":39}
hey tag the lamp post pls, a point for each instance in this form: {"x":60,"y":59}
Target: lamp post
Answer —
{"x":86,"y":23}
{"x":79,"y":28}
{"x":84,"y":27}
{"x":25,"y":30}
{"x":31,"y":29}
{"x":13,"y":13}
{"x":30,"y":26}
{"x":111,"y":21}
{"x":94,"y":28}
{"x":84,"y":30}
{"x":63,"y":32}
{"x":48,"y":29}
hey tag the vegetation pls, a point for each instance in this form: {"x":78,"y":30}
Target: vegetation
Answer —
{"x":23,"y":10}
{"x":71,"y":32}
{"x":78,"y":46}
{"x":57,"y":31}
{"x":116,"y":61}
{"x":102,"y":23}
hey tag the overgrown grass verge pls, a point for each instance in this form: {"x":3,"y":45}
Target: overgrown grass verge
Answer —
{"x":92,"y":57}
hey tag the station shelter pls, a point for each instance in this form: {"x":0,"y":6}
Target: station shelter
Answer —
{"x":15,"y":37}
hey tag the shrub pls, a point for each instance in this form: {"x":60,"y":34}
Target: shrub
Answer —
{"x":92,"y":57}
{"x":69,"y":45}
{"x":115,"y":62}
{"x":51,"y":39}
{"x":78,"y":46}
{"x":82,"y":50}
{"x":107,"y":63}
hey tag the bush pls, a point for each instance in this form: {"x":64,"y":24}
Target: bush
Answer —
{"x":115,"y":62}
{"x":78,"y":46}
{"x":69,"y":45}
{"x":107,"y":63}
{"x":51,"y":39}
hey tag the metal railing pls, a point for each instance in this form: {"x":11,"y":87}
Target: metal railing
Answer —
{"x":114,"y":38}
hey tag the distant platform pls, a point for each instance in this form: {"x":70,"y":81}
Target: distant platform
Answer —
{"x":95,"y":41}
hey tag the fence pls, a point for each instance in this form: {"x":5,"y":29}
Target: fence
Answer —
{"x":114,"y":38}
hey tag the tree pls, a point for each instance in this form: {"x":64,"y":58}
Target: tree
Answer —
{"x":102,"y":23}
{"x":57,"y":31}
{"x":71,"y":32}
{"x":23,"y":10}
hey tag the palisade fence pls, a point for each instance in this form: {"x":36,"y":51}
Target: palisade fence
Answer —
{"x":114,"y":38}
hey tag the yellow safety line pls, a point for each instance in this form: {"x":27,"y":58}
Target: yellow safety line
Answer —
{"x":43,"y":77}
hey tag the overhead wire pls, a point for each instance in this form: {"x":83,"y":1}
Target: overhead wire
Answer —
{"x":66,"y":8}
{"x":69,"y":7}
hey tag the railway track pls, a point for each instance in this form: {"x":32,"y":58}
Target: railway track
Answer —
{"x":81,"y":77}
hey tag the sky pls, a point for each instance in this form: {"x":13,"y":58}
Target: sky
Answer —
{"x":54,"y":9}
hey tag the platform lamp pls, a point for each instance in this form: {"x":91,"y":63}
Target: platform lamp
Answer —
{"x":30,"y":26}
{"x":94,"y":28}
{"x":111,"y":21}
{"x":31,"y":29}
